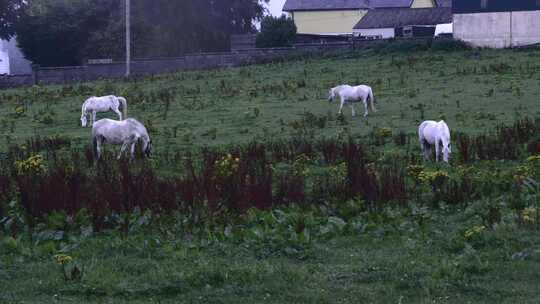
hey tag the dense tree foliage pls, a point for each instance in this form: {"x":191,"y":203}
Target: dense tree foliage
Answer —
{"x":55,"y":32}
{"x":66,"y":32}
{"x":276,"y":32}
{"x":9,"y":15}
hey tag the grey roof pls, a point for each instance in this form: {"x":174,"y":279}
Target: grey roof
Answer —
{"x":397,"y":17}
{"x":312,"y":5}
{"x":444,"y":3}
{"x":308,"y":5}
{"x":389,"y":3}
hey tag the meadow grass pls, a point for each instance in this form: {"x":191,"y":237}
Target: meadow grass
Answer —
{"x":398,"y":260}
{"x":472,"y":90}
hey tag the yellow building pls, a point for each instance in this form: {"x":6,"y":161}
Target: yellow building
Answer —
{"x":338,"y":17}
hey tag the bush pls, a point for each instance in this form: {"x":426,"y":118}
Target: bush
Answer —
{"x":449,"y":45}
{"x":276,"y":32}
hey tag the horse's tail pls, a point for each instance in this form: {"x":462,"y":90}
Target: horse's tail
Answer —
{"x":372,"y":100}
{"x":124,"y":106}
{"x":95,"y":145}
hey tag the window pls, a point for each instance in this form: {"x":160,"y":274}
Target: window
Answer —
{"x":484,"y":3}
{"x":407,"y":31}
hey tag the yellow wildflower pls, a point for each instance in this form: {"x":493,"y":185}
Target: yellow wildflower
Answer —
{"x":227,"y":166}
{"x":415,"y":171}
{"x":19,"y":110}
{"x":469,"y":233}
{"x":33,"y":165}
{"x":433,"y":178}
{"x":534,"y":158}
{"x":62,"y":259}
{"x":384,"y":132}
{"x":530,"y":215}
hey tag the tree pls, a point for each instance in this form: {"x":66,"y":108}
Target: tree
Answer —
{"x":10,"y":11}
{"x":276,"y":32}
{"x":65,"y":32}
{"x":55,"y":32}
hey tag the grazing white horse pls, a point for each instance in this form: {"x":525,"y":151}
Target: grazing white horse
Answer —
{"x":349,"y":95}
{"x":102,"y":104}
{"x":125,"y":132}
{"x":435,"y":133}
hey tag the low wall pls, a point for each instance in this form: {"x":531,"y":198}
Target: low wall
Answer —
{"x":16,"y":81}
{"x":143,"y":67}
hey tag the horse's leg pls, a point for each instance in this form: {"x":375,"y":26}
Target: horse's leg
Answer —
{"x":427,"y":151}
{"x":98,"y":143}
{"x":98,"y":149}
{"x":93,"y":117}
{"x":352,"y":109}
{"x":365,"y":109}
{"x":133,"y":150}
{"x":437,"y":150}
{"x":122,"y":150}
{"x":341,"y":106}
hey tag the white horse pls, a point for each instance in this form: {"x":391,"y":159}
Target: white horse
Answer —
{"x":102,"y":104}
{"x":125,"y":132}
{"x":435,"y":133}
{"x":349,"y":95}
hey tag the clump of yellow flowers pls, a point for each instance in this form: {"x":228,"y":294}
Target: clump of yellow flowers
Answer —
{"x":19,"y":110}
{"x":300,"y":165}
{"x":434,"y":178}
{"x":530,"y":215}
{"x":33,"y":165}
{"x":415,"y":171}
{"x":62,"y":259}
{"x":470,"y":233}
{"x":227,"y":166}
{"x":383,"y":132}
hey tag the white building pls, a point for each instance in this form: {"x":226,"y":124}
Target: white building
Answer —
{"x":402,"y":22}
{"x":12,"y":61}
{"x":4,"y":59}
{"x":497,"y":23}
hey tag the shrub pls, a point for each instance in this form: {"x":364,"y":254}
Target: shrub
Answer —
{"x":276,"y":32}
{"x":449,"y":45}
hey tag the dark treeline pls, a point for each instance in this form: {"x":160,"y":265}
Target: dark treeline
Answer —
{"x":67,"y":32}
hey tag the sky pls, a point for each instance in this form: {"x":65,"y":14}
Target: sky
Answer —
{"x":275,"y":7}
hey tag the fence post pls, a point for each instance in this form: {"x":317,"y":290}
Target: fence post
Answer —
{"x":35,"y":70}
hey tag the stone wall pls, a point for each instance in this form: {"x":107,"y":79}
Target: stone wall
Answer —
{"x":143,"y":67}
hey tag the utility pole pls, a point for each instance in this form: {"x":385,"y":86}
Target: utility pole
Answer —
{"x":128,"y":38}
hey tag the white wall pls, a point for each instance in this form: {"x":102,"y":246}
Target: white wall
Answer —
{"x":386,"y":33}
{"x":525,"y":28}
{"x":4,"y":58}
{"x":498,"y":30}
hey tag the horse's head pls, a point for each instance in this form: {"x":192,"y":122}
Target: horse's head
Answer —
{"x":83,"y":121}
{"x":331,"y":95}
{"x":446,"y":149}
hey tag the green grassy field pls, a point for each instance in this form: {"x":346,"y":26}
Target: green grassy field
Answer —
{"x":404,"y":258}
{"x":472,"y":91}
{"x":483,"y":251}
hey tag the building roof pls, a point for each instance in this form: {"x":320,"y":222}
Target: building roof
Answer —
{"x":389,"y":3}
{"x":444,"y":3}
{"x":309,"y":5}
{"x":315,"y":5}
{"x":397,"y":17}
